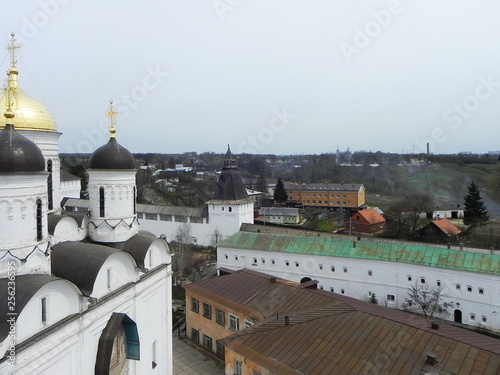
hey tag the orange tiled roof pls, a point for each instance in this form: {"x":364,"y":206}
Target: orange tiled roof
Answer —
{"x":447,"y":227}
{"x":371,"y":216}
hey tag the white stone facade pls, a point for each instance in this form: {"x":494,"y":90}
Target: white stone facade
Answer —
{"x":476,"y":296}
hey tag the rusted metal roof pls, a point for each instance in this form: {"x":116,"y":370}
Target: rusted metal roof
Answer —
{"x":334,"y":334}
{"x":373,"y":250}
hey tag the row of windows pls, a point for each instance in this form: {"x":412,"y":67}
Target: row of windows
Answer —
{"x":319,"y":195}
{"x":220,"y":316}
{"x":339,"y":203}
{"x":469,"y":289}
{"x":164,"y":217}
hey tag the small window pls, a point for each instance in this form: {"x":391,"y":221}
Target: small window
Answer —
{"x":345,"y":269}
{"x":44,"y":310}
{"x":230,"y":209}
{"x":287,"y":263}
{"x":422,"y":280}
{"x":236,"y":257}
{"x":342,"y":291}
{"x":481,"y":291}
{"x":273,"y":261}
{"x":101,"y":202}
{"x":331,"y":289}
{"x":263,"y":261}
{"x":469,"y":289}
{"x":195,"y":305}
{"x":457,"y":286}
{"x":109,"y":278}
{"x":154,"y":354}
{"x":483,"y":319}
{"x":234,"y":323}
{"x":409,"y":278}
{"x":248,"y":324}
{"x":321,"y":287}
{"x":39,"y":219}
{"x":207,"y":311}
{"x":195,"y":335}
{"x":220,"y":349}
{"x":226,"y":256}
{"x":164,"y":217}
{"x":332,"y":268}
{"x":391,"y":298}
{"x":207,"y":342}
{"x":238,"y":367}
{"x":438,"y":283}
{"x":151,"y":216}
{"x":296,"y":264}
{"x":220,"y":317}
{"x":254,"y":260}
{"x":320,"y":267}
{"x":472,"y":317}
{"x":370,"y":273}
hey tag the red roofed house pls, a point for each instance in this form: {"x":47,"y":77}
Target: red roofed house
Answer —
{"x":367,"y":221}
{"x":440,"y":230}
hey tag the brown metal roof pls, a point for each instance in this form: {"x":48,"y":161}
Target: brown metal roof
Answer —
{"x":334,"y":334}
{"x":447,"y":227}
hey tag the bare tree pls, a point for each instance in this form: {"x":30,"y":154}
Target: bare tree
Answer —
{"x":182,"y":249}
{"x":426,"y":301}
{"x":216,"y":237}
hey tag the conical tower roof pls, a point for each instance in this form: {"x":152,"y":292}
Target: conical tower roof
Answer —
{"x":229,"y":186}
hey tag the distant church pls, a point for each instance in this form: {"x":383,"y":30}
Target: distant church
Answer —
{"x":80,"y":292}
{"x":219,"y":218}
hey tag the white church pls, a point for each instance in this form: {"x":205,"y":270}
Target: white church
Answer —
{"x":81,"y":292}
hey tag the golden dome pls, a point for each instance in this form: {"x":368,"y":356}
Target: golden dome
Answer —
{"x":29,"y":114}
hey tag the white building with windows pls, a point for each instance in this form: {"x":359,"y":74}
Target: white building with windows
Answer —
{"x":360,"y":267}
{"x":80,"y":293}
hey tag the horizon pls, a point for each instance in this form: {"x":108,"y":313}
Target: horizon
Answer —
{"x":282,"y":78}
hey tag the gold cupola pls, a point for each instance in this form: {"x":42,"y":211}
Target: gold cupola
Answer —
{"x":29,"y":114}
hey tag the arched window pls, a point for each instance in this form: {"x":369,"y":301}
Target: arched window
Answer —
{"x":135,"y":198}
{"x":39,"y":234}
{"x":101,"y":202}
{"x":49,"y":185}
{"x":230,"y":209}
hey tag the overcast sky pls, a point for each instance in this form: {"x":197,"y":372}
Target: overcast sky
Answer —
{"x":265,"y":76}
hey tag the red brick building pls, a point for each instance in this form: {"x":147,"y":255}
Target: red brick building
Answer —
{"x":367,"y":221}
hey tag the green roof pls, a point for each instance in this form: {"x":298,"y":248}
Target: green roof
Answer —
{"x":365,"y":249}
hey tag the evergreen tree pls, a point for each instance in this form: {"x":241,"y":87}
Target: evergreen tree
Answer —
{"x":280,"y":194}
{"x":475,"y":213}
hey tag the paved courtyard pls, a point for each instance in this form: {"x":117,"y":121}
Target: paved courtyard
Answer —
{"x":189,"y":360}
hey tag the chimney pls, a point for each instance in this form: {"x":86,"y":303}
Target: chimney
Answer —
{"x":431,"y":359}
{"x":287,"y":320}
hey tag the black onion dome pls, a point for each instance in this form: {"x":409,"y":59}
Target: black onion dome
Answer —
{"x":112,"y":156}
{"x":18,"y":153}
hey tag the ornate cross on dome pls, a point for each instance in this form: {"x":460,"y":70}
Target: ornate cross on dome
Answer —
{"x":111,"y":114}
{"x":12,"y":47}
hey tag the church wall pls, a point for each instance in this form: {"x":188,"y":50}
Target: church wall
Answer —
{"x":387,"y":279}
{"x":119,"y":269}
{"x":72,"y":345}
{"x":199,"y":231}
